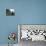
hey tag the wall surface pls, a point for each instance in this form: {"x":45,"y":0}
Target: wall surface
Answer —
{"x":27,"y":12}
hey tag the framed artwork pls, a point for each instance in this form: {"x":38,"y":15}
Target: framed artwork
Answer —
{"x":10,"y":12}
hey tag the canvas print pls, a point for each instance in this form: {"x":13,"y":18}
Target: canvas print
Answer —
{"x":10,"y":12}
